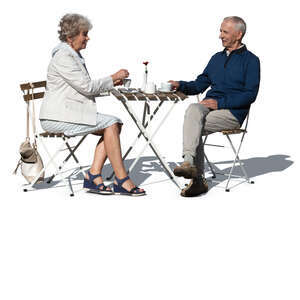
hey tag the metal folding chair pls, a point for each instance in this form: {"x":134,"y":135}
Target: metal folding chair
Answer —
{"x":30,"y":94}
{"x":236,"y":150}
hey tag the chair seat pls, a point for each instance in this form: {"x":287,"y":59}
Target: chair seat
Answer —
{"x":233,"y":131}
{"x":51,"y":134}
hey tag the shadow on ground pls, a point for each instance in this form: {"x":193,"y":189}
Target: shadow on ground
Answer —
{"x":256,"y":166}
{"x":148,"y":165}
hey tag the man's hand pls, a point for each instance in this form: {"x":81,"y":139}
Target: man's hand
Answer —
{"x":210,"y":103}
{"x":175,"y":84}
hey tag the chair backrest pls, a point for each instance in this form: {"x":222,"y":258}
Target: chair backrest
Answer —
{"x":29,"y":90}
{"x":32,"y":91}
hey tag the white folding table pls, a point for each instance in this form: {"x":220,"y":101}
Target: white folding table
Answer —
{"x":127,"y":96}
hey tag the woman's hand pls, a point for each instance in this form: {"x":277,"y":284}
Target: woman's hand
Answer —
{"x":119,"y":76}
{"x":118,"y":82}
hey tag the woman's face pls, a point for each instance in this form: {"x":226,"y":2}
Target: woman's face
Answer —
{"x":79,"y":41}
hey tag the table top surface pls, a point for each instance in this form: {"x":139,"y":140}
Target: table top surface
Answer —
{"x":137,"y":95}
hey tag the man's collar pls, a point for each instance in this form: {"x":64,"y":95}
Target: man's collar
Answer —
{"x":239,"y":50}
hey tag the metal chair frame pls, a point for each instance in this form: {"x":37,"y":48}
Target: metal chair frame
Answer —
{"x":236,"y":152}
{"x":31,"y":95}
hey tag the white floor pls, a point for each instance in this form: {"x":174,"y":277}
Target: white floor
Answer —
{"x":244,"y":243}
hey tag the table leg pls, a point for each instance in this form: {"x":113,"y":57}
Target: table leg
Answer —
{"x":149,"y":140}
{"x":145,"y":125}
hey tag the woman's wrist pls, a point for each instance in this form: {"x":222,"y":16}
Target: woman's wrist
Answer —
{"x":114,"y":77}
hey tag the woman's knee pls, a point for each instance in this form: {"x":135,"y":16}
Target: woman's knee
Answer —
{"x":98,"y":133}
{"x":120,"y":127}
{"x":116,"y":128}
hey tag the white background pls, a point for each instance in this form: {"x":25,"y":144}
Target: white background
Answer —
{"x":238,"y":245}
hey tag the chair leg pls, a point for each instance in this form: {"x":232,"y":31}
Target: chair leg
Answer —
{"x":72,"y":154}
{"x":237,"y":159}
{"x":210,"y":166}
{"x":207,"y":160}
{"x":75,"y":158}
{"x":51,"y":161}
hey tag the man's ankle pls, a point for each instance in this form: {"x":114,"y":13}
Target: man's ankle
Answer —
{"x":189,"y":158}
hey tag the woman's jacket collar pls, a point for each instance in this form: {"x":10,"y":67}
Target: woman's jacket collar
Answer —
{"x":66,"y":46}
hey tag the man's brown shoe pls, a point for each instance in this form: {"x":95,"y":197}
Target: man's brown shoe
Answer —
{"x":186,"y":170}
{"x":196,"y":187}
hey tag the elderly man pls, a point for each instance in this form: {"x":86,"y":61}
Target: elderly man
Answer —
{"x":233,"y":75}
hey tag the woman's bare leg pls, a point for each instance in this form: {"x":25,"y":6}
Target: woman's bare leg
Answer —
{"x":113,"y":150}
{"x":99,"y":160}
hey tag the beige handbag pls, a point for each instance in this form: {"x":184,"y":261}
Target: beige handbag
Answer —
{"x":31,"y":162}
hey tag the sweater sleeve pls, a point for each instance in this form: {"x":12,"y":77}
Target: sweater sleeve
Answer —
{"x":71,"y":72}
{"x":244,"y":98}
{"x":197,"y":86}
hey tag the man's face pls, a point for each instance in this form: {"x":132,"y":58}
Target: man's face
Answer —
{"x":229,"y":35}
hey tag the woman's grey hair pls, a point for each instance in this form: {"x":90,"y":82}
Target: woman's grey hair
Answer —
{"x":71,"y":25}
{"x":239,"y":22}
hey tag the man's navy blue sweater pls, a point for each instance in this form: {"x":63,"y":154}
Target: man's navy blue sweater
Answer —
{"x":234,"y":81}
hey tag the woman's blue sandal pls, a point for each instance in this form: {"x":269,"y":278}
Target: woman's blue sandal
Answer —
{"x":91,"y":187}
{"x":119,"y":190}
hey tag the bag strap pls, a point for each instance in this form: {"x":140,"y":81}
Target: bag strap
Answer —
{"x":27,"y":123}
{"x":17,"y":167}
{"x":33,"y":114}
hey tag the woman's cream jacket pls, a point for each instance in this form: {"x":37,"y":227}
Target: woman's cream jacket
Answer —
{"x":70,"y":92}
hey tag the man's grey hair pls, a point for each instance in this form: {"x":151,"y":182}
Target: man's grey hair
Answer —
{"x":71,"y":25}
{"x":239,"y":23}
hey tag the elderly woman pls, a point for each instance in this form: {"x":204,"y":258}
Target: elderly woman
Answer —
{"x":69,"y":105}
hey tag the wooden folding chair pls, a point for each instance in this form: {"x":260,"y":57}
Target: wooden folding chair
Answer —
{"x":212,"y":166}
{"x":33,"y":91}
